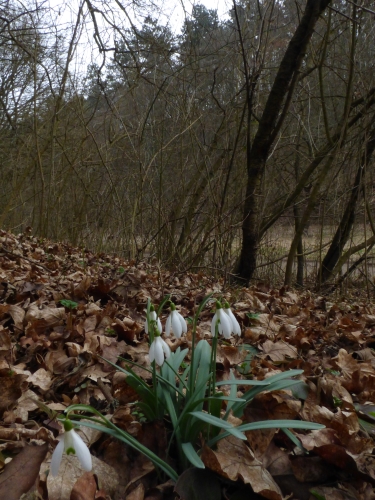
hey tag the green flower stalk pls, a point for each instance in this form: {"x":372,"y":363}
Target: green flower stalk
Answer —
{"x":153,"y":317}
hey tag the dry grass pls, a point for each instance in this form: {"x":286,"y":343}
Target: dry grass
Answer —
{"x":275,"y":246}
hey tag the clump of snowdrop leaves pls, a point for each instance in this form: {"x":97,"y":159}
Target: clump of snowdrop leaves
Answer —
{"x":236,"y":329}
{"x":178,"y":396}
{"x":72,"y":444}
{"x":175,"y":323}
{"x":226,"y":325}
{"x":158,"y":349}
{"x":152,"y":317}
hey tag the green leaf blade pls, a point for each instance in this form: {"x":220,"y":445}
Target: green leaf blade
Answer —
{"x":192,"y":455}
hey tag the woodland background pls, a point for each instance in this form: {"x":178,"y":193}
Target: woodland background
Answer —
{"x":202,"y":146}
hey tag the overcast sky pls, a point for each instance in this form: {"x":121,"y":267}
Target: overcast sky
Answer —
{"x":171,"y":12}
{"x":222,"y":6}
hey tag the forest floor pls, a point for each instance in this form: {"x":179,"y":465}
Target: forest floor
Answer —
{"x":49,"y":355}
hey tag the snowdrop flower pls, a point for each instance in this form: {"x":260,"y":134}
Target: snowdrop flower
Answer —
{"x":158,"y":349}
{"x":176,"y":323}
{"x":225,"y":323}
{"x":236,"y":329}
{"x":153,"y":317}
{"x":72,"y":444}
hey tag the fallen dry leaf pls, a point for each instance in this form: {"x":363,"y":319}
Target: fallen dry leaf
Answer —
{"x":276,"y":461}
{"x":18,"y":315}
{"x":330,"y":338}
{"x":5,"y":342}
{"x":20,"y":474}
{"x":61,"y":486}
{"x":318,"y":438}
{"x":198,"y":484}
{"x":234,"y":460}
{"x":311,"y":469}
{"x":41,"y":317}
{"x":137,"y":494}
{"x":279,"y":351}
{"x":84,"y":488}
{"x":331,"y":493}
{"x":41,"y":378}
{"x":10,"y":390}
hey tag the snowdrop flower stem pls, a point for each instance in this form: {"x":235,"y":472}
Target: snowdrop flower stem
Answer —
{"x":213,"y":360}
{"x":152,"y":322}
{"x":193,"y":339}
{"x":72,"y":444}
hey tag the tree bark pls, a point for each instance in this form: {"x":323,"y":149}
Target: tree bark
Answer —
{"x":368,"y":101}
{"x":300,"y":256}
{"x":273,"y":116}
{"x":347,"y":220}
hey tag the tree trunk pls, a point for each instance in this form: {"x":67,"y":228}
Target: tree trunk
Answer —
{"x":297,"y":216}
{"x":314,"y":196}
{"x":273,"y":116}
{"x":368,"y":101}
{"x":347,"y":220}
{"x":300,"y":257}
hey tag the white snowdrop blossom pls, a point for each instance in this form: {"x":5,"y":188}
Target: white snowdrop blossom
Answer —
{"x":175,"y":323}
{"x":72,"y":444}
{"x":158,"y":349}
{"x":153,"y":317}
{"x":225,"y":323}
{"x":236,"y":329}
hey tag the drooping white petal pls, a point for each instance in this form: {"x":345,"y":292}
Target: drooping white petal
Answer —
{"x":146,"y":324}
{"x":57,"y":456}
{"x":176,"y":324}
{"x":182,"y":321}
{"x":71,"y":443}
{"x":168,"y":326}
{"x":159,"y":354}
{"x":165,"y":348}
{"x":151,"y":353}
{"x":68,"y":441}
{"x":225,"y":325}
{"x":153,"y":317}
{"x":158,"y":322}
{"x":213,"y":323}
{"x":82,"y":452}
{"x":236,"y":329}
{"x":160,"y":328}
{"x":159,"y":348}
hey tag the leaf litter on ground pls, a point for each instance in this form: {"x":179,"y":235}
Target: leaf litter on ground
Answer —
{"x":64,"y":310}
